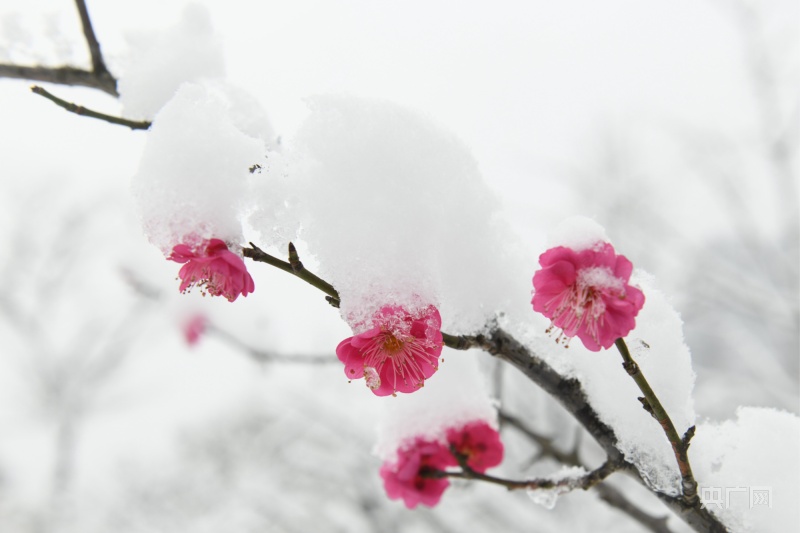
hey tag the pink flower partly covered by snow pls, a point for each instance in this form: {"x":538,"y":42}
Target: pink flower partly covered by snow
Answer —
{"x":411,"y":476}
{"x":586,"y":294}
{"x":479,"y":443}
{"x":398,"y":353}
{"x":214,"y":268}
{"x":405,"y":478}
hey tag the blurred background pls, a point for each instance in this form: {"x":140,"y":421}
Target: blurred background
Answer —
{"x":673,"y":124}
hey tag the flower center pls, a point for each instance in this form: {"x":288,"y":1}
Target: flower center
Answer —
{"x":392,"y":344}
{"x":406,"y":354}
{"x":582,"y":304}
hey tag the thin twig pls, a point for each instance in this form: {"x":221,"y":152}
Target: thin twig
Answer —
{"x":611,"y":495}
{"x":58,"y":75}
{"x":545,"y":444}
{"x":584,"y":482}
{"x":98,"y":65}
{"x":97,"y":78}
{"x":86,"y":112}
{"x":294,"y":267}
{"x":651,"y":403}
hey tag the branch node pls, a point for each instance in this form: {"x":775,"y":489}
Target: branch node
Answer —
{"x":631,"y":367}
{"x":687,"y":438}
{"x":294,"y":259}
{"x":647,"y":407}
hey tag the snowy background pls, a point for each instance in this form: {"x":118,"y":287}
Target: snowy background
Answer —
{"x":673,"y":125}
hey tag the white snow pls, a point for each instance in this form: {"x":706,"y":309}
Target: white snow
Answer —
{"x":577,"y":233}
{"x":748,"y":469}
{"x":192,"y":179}
{"x":547,"y":498}
{"x":454,"y":396}
{"x":395,"y":210}
{"x":601,"y":277}
{"x":160,"y":61}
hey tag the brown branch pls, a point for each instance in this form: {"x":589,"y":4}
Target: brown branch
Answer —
{"x":97,"y":78}
{"x":611,"y":495}
{"x":86,"y":112}
{"x":584,"y":482}
{"x":567,"y":391}
{"x":59,"y":75}
{"x":651,"y":404}
{"x":98,"y":65}
{"x":545,"y":444}
{"x":294,"y":267}
{"x":570,"y":394}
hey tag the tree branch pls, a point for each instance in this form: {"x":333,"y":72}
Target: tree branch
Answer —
{"x":570,"y":394}
{"x":651,"y":404}
{"x":98,"y":65}
{"x":86,"y":112}
{"x":584,"y":482}
{"x":294,"y":267}
{"x":97,"y":78}
{"x":545,"y":444}
{"x":613,"y":497}
{"x":608,"y":493}
{"x":59,"y":75}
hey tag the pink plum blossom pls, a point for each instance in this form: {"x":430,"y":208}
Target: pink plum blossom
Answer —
{"x":194,"y":328}
{"x":214,"y":268}
{"x":586,"y":293}
{"x":479,"y":443}
{"x":398,"y":353}
{"x":405,"y":478}
{"x":411,"y":476}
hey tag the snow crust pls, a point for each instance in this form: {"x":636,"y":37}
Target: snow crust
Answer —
{"x":160,"y":61}
{"x":547,"y":498}
{"x":578,"y":233}
{"x":193,"y":176}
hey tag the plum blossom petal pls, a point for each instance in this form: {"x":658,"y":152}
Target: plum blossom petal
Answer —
{"x":410,"y":477}
{"x":405,"y":478}
{"x":398,"y":353}
{"x":587,"y":294}
{"x":479,"y":443}
{"x":194,"y":327}
{"x":214,"y":268}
